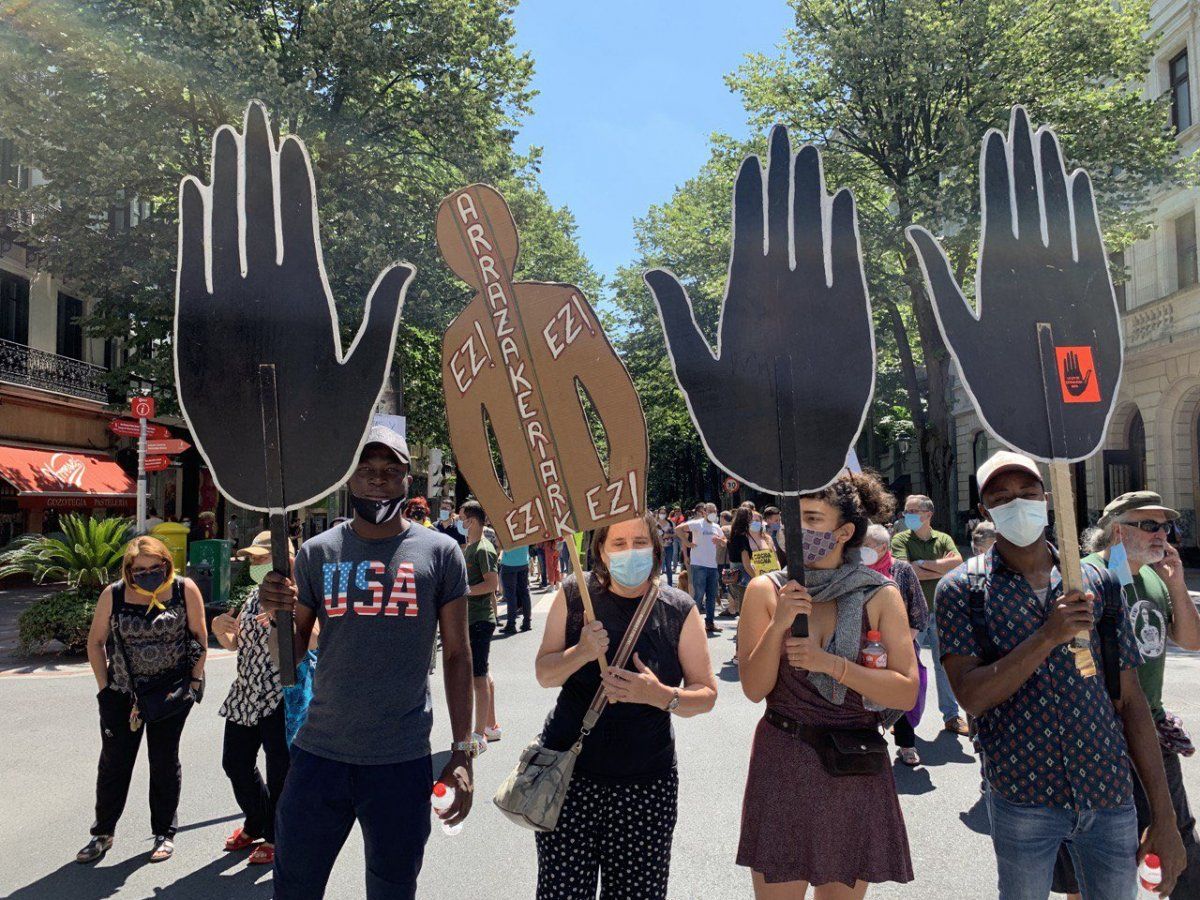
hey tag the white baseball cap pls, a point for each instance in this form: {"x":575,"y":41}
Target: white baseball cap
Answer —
{"x":1005,"y":461}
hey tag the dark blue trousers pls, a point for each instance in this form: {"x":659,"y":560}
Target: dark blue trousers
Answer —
{"x":321,"y":801}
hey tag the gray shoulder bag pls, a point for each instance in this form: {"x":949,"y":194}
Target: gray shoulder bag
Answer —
{"x":534,"y":792}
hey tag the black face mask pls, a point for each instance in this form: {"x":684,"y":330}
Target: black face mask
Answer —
{"x":378,"y":512}
{"x":151,"y":581}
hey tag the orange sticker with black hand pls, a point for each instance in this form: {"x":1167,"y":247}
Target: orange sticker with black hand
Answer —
{"x":1077,"y":375}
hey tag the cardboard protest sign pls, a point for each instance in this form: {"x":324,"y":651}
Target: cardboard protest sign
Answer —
{"x":785,"y":394}
{"x":1041,"y":353}
{"x":516,"y":359}
{"x":1041,"y":261}
{"x":279,"y":410}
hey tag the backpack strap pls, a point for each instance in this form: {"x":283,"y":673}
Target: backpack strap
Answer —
{"x":1108,"y":628}
{"x":977,"y":594}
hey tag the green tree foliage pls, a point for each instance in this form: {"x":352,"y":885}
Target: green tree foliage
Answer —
{"x":898,"y":95}
{"x":399,"y":102}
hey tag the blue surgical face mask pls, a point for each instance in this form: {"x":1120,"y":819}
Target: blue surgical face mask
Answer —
{"x":756,"y":527}
{"x":443,"y":515}
{"x":462,"y":527}
{"x":913,"y":521}
{"x":631,"y":568}
{"x":1118,"y":564}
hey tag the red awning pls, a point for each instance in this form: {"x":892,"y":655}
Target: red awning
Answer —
{"x":65,"y":478}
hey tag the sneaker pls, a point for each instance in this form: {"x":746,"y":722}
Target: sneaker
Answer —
{"x":480,"y":742}
{"x":95,"y":849}
{"x":908,"y":756}
{"x":492,"y":733}
{"x":958,"y":725}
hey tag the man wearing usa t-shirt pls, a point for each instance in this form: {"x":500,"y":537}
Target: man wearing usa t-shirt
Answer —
{"x":381,"y":586}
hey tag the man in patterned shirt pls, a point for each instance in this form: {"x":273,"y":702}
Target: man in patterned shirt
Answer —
{"x":1056,"y":748}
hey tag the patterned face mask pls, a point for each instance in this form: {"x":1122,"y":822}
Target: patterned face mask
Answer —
{"x":817,"y":545}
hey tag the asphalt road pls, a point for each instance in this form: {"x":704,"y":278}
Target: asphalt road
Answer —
{"x":49,"y":745}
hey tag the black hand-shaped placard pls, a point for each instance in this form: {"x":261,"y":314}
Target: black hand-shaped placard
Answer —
{"x":784,"y":397}
{"x":251,"y":294}
{"x":1041,"y":261}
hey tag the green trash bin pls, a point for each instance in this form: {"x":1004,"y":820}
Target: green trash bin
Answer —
{"x":210,"y":565}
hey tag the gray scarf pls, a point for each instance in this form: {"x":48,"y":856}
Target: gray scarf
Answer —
{"x":850,"y":585}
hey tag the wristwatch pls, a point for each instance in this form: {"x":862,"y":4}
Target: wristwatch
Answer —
{"x":674,"y":704}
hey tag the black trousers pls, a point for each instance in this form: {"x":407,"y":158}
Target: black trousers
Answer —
{"x":1188,"y":885}
{"x":239,"y":759}
{"x":515,"y":581}
{"x":118,"y":753}
{"x":904,"y":734}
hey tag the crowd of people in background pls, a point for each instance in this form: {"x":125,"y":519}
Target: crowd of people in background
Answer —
{"x":1081,"y":777}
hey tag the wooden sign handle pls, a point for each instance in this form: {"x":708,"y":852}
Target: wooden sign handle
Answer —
{"x":793,"y":538}
{"x":280,"y":557}
{"x":589,"y":614}
{"x":1065,"y":527}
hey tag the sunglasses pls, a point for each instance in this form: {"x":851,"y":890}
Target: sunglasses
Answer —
{"x":1150,"y":526}
{"x":159,"y":568}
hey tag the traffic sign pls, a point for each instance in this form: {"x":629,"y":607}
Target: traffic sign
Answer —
{"x":170,"y":446}
{"x":141,"y":407}
{"x":131,"y":428}
{"x":157,"y":463}
{"x":731,"y":485}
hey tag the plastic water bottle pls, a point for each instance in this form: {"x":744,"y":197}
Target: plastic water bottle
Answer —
{"x":441,"y":799}
{"x":874,"y":654}
{"x":1150,"y":872}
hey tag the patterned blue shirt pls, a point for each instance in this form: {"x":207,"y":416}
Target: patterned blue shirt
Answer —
{"x":1057,"y":741}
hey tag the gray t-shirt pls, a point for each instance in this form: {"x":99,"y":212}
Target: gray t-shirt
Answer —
{"x":377,"y":602}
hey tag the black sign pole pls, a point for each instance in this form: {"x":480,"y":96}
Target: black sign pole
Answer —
{"x":793,"y":526}
{"x":1065,"y":526}
{"x":280,"y":556}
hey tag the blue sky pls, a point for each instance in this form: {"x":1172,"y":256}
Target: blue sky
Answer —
{"x":629,"y":93}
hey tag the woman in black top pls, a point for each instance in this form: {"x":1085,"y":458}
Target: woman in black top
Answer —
{"x":625,"y":780}
{"x":151,"y":621}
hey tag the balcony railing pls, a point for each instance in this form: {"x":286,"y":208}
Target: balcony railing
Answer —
{"x":26,"y":366}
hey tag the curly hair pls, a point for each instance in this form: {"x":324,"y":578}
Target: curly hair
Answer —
{"x":860,"y":498}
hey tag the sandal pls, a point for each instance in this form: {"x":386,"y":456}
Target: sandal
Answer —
{"x":164,"y":848}
{"x":95,"y":849}
{"x":908,"y":756}
{"x":239,"y":840}
{"x":263,"y":855}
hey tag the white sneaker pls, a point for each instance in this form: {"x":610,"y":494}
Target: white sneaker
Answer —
{"x":492,"y":733}
{"x":480,"y":743}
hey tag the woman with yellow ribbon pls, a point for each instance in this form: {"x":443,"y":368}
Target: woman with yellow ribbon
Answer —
{"x":147,"y":649}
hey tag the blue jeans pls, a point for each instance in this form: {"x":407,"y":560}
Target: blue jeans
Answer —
{"x":705,"y":585}
{"x":947,"y":705}
{"x":1102,"y":842}
{"x":322,"y":799}
{"x":668,"y":565}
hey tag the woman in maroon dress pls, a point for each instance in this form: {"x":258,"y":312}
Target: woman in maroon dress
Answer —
{"x":802,"y":825}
